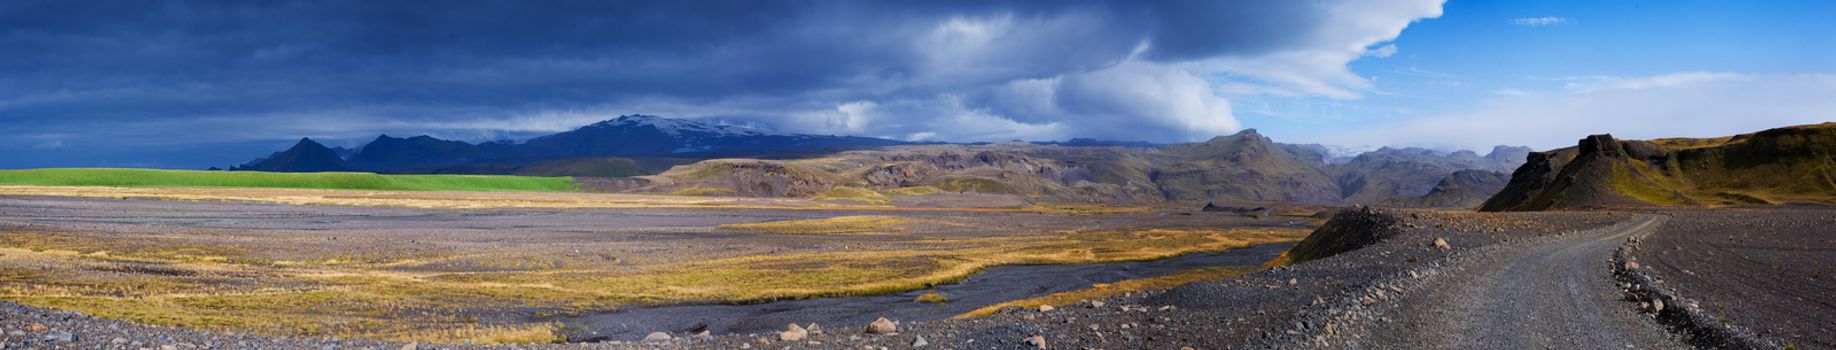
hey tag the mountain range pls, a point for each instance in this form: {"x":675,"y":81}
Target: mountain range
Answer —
{"x":625,"y":136}
{"x":675,"y":156}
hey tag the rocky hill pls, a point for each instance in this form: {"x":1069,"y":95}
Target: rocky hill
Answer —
{"x":1791,"y":164}
{"x":1462,"y":189}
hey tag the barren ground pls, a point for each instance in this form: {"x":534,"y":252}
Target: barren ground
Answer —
{"x":1771,"y":270}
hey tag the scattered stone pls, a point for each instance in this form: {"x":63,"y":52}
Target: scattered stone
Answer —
{"x":882,"y":326}
{"x":1036,"y":341}
{"x":1293,"y":281}
{"x":119,"y":341}
{"x":1631,"y":265}
{"x":745,"y":345}
{"x":919,"y":343}
{"x":704,"y":335}
{"x":1046,"y":308}
{"x":657,"y":336}
{"x":1442,"y":243}
{"x":1096,"y":303}
{"x":814,"y":329}
{"x":37,"y":327}
{"x":1367,"y":300}
{"x":793,"y":333}
{"x":60,"y":336}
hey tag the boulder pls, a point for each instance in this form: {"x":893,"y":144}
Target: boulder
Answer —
{"x":1036,"y":341}
{"x":793,"y":333}
{"x":882,"y":326}
{"x":657,"y":336}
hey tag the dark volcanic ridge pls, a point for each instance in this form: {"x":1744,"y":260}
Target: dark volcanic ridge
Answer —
{"x":1791,"y":164}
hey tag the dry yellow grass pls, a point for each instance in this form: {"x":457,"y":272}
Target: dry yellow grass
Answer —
{"x":834,"y":225}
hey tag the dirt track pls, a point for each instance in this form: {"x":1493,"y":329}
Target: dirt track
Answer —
{"x":1545,"y":294}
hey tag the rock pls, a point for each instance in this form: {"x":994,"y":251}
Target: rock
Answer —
{"x":919,"y":343}
{"x":814,"y":329}
{"x":745,"y":345}
{"x":1367,"y":300}
{"x":1046,"y":308}
{"x":60,"y":336}
{"x":793,"y":333}
{"x":1096,"y":303}
{"x":657,"y":336}
{"x":1442,"y":243}
{"x":1631,"y":265}
{"x":412,"y":346}
{"x":882,"y":326}
{"x":704,"y":335}
{"x":1657,"y":306}
{"x":1293,"y":281}
{"x":1036,"y":341}
{"x":119,"y":341}
{"x":37,"y":327}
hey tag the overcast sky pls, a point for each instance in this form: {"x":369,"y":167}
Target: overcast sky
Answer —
{"x":180,"y":84}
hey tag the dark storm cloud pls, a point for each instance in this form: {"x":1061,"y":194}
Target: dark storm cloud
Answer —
{"x":82,"y":75}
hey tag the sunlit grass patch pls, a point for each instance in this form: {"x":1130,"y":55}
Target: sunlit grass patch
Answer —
{"x":914,"y":191}
{"x":855,"y":194}
{"x":834,"y":225}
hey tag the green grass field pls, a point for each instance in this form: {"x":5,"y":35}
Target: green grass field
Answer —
{"x":340,"y":181}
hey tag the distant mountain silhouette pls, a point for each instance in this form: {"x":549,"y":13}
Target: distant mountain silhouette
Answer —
{"x":305,"y":156}
{"x":625,"y":136}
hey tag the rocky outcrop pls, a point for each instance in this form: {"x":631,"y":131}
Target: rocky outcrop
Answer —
{"x":1347,"y":231}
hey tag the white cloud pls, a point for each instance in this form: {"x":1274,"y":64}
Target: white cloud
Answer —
{"x":1539,"y":21}
{"x":1672,"y":105}
{"x":1350,"y":28}
{"x":1382,"y":51}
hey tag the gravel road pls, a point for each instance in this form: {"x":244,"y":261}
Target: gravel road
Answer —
{"x":1555,"y":293}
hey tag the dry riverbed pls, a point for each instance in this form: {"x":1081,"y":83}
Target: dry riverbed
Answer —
{"x":459,"y":271}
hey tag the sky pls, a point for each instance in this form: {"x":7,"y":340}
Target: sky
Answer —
{"x":192,"y":84}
